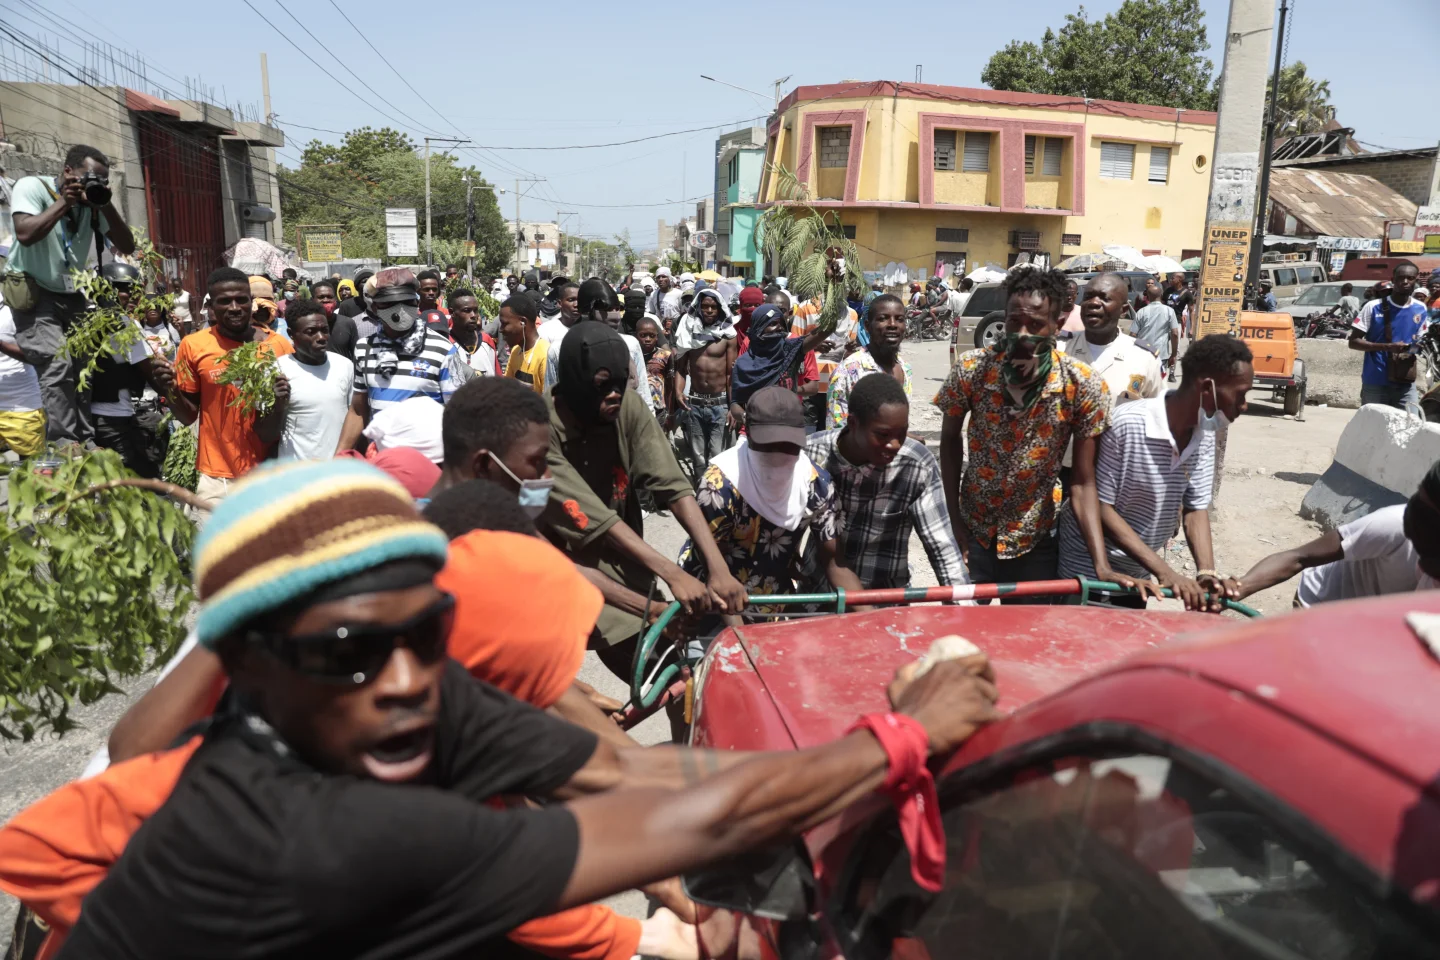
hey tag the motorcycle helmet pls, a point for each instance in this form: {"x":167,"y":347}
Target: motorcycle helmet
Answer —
{"x":120,"y":274}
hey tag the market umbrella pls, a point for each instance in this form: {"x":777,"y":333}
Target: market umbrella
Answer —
{"x":1126,"y":255}
{"x":986,"y":274}
{"x":1159,"y":263}
{"x":1192,"y":263}
{"x":709,"y":276}
{"x":1083,"y":262}
{"x":257,"y":257}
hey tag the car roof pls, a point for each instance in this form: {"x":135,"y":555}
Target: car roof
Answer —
{"x":821,"y":673}
{"x":1356,"y":671}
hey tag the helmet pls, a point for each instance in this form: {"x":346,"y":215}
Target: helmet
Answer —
{"x":120,"y":273}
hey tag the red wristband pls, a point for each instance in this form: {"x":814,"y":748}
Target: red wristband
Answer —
{"x":911,"y":787}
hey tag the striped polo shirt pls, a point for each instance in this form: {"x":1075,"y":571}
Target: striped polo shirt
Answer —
{"x":1140,"y":472}
{"x":432,"y":373}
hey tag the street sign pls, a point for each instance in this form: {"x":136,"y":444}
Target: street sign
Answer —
{"x":321,"y":242}
{"x":402,"y":242}
{"x":400,"y":217}
{"x":1427,"y":216}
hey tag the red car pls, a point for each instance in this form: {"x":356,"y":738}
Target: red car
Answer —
{"x":1166,"y":785}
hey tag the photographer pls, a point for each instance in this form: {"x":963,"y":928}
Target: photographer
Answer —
{"x":57,"y":220}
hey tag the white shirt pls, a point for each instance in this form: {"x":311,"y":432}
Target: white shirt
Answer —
{"x":1378,"y":560}
{"x":1130,"y":371}
{"x":482,"y":361}
{"x":552,"y":331}
{"x":637,"y":364}
{"x":19,"y":386}
{"x":319,"y":402}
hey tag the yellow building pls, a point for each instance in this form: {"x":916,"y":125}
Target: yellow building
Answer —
{"x":923,"y":174}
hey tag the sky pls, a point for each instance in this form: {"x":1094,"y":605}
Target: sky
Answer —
{"x":588,"y":73}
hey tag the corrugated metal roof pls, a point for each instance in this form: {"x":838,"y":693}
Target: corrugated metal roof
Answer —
{"x":1336,"y":204}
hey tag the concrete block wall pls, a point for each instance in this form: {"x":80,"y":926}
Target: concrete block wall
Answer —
{"x":1332,"y":372}
{"x":1382,"y":454}
{"x":1409,"y":177}
{"x":834,"y":146}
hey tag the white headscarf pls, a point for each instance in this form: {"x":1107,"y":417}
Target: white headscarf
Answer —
{"x":691,"y":331}
{"x":775,"y":485}
{"x":411,"y":423}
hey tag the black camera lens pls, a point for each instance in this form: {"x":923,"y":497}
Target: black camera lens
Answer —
{"x":97,"y":189}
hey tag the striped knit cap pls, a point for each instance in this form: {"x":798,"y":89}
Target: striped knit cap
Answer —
{"x":291,"y":527}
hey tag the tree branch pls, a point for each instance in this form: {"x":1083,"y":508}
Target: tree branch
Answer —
{"x":154,"y":486}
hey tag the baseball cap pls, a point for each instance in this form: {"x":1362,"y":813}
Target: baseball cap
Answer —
{"x":774,"y":415}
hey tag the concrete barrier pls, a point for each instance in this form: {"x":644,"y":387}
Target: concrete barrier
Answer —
{"x":1382,"y":454}
{"x":1332,"y":372}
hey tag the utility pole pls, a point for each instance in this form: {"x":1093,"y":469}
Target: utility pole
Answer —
{"x":1230,"y":214}
{"x":1257,"y":242}
{"x":469,"y":228}
{"x":519,"y":241}
{"x":265,"y":90}
{"x":429,"y":247}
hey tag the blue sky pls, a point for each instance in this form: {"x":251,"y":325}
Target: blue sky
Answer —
{"x":586,"y":73}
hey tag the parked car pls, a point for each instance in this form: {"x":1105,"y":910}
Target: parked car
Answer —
{"x":1289,"y":277}
{"x":1319,"y":297}
{"x":983,"y":319}
{"x":1237,"y":790}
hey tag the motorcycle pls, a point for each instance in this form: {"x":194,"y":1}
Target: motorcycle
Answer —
{"x":921,"y":325}
{"x":1324,"y":325}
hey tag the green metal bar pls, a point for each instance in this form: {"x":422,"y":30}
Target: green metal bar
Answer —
{"x":647,"y":647}
{"x":840,"y":600}
{"x":1087,"y":585}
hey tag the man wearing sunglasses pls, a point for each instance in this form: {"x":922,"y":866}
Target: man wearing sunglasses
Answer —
{"x":331,"y":806}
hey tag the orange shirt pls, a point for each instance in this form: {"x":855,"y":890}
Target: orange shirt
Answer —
{"x":229,"y":448}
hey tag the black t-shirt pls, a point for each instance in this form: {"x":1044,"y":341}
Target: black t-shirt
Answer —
{"x":342,"y":336}
{"x":351,"y":308}
{"x":256,"y":854}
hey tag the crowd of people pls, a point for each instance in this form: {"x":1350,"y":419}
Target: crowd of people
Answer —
{"x":438,"y":495}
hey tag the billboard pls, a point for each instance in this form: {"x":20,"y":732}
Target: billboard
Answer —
{"x":321,"y":242}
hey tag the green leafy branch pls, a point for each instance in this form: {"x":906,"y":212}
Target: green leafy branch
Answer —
{"x":179,"y":467}
{"x":95,"y":587}
{"x":251,"y":371}
{"x":810,"y":248}
{"x":106,"y":328}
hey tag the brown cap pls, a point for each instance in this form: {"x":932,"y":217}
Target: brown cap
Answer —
{"x":774,"y":415}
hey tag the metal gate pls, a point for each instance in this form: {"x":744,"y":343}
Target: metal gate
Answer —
{"x":183,"y":198}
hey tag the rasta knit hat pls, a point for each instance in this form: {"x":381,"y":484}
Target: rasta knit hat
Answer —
{"x":294,"y":526}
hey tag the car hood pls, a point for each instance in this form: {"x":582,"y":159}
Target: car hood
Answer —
{"x":822,"y":673}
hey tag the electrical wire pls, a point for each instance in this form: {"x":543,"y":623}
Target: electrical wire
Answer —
{"x":622,"y":143}
{"x":386,"y":61}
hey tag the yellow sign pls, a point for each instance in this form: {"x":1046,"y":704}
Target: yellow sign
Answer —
{"x":469,"y":248}
{"x":1222,"y":278}
{"x":1407,"y":246}
{"x":1432,"y":243}
{"x":321,"y":243}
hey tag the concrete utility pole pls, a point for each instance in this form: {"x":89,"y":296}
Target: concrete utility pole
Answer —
{"x":1257,"y":242}
{"x":520,"y":243}
{"x":1230,"y":215}
{"x":429,"y":248}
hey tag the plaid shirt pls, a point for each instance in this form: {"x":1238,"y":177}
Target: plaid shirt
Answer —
{"x":876,"y":509}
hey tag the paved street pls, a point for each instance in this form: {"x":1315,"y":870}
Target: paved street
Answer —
{"x":1271,"y":462}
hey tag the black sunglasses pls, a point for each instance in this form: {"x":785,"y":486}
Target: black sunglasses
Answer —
{"x":356,"y":654}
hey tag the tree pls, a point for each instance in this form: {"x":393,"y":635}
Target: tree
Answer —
{"x":351,"y":183}
{"x":1304,"y":103}
{"x":810,"y":248}
{"x":1148,"y":51}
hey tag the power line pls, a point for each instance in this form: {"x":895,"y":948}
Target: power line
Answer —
{"x":621,"y":143}
{"x":385,"y":60}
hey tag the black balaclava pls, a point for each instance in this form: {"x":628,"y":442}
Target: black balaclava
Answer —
{"x":587,"y":349}
{"x":594,"y":294}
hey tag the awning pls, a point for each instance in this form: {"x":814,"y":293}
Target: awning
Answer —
{"x":1276,"y":239}
{"x":144,"y":103}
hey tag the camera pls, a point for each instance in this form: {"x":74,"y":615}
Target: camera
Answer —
{"x":96,"y":188}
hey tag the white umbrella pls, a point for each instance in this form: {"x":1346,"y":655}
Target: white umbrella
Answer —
{"x":255,"y":256}
{"x":1159,"y":263}
{"x":986,"y":274}
{"x":1128,"y":255}
{"x":1084,"y":261}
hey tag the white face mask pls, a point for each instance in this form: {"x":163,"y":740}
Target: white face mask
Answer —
{"x":534,"y":494}
{"x":1211,"y":422}
{"x":774,"y":470}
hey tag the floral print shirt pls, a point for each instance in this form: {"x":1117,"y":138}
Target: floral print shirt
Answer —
{"x":761,"y":555}
{"x":842,"y":381}
{"x":1011,"y":488}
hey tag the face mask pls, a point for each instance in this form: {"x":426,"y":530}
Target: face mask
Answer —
{"x":289,"y":294}
{"x":1211,"y":422}
{"x":534,"y":494}
{"x":772,"y":468}
{"x":330,"y":309}
{"x":1022,"y":370}
{"x":398,"y":317}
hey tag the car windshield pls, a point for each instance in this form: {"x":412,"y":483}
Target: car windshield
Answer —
{"x":1320,"y":295}
{"x":985,"y":299}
